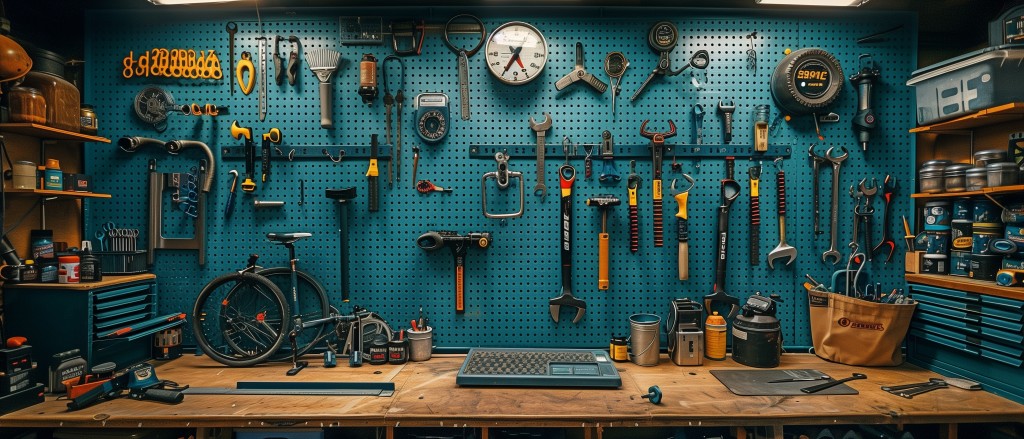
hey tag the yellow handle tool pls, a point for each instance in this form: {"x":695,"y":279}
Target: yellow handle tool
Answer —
{"x":249,"y":184}
{"x":245,"y":66}
{"x":683,"y":230}
{"x":603,"y":203}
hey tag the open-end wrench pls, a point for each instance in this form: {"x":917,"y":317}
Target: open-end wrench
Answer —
{"x":566,"y":177}
{"x":783,"y":250}
{"x":657,"y":150}
{"x":816,"y":161}
{"x":887,"y":244}
{"x":727,"y":110}
{"x":867,"y":211}
{"x":698,"y":124}
{"x":730,"y":190}
{"x":231,"y":28}
{"x":837,"y":163}
{"x":541,"y":129}
{"x":609,"y":174}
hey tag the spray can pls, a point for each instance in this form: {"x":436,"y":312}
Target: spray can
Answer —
{"x":715,"y":337}
{"x":368,"y":78}
{"x":89,"y":267}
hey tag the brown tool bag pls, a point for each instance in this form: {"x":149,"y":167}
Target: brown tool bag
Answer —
{"x":858,"y":332}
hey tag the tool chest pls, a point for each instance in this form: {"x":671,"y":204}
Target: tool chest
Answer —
{"x":972,"y":335}
{"x":76,"y":318}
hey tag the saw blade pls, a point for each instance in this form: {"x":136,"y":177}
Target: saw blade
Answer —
{"x":262,"y":77}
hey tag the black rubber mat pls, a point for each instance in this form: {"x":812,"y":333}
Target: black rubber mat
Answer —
{"x":747,"y":382}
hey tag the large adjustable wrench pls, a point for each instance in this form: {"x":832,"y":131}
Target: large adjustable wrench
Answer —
{"x":867,"y":211}
{"x":657,"y":150}
{"x":837,"y":163}
{"x":566,"y":177}
{"x":541,"y":129}
{"x":783,"y":250}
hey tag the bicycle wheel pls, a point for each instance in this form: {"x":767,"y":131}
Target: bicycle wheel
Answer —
{"x":313,"y":304}
{"x":240,"y":319}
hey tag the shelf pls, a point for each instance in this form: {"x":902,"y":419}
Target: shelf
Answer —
{"x":991,"y":116}
{"x":65,"y":194}
{"x":108,"y":281}
{"x":999,"y":190}
{"x":985,"y":287}
{"x":49,"y":133}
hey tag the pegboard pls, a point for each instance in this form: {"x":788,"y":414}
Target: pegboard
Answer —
{"x":508,"y":285}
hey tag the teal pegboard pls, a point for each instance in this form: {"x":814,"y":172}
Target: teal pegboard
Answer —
{"x":508,"y":284}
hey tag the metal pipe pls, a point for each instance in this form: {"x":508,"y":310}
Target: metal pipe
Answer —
{"x":176,"y":146}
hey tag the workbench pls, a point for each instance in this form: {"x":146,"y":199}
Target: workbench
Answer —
{"x":426,"y":396}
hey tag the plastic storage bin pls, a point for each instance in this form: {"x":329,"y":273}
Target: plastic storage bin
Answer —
{"x":974,"y":81}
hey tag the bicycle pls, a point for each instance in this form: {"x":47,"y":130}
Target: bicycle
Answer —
{"x":242,"y":318}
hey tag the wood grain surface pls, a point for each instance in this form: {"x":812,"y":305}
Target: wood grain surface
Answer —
{"x":427,"y":396}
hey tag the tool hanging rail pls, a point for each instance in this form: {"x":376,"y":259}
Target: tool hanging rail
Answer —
{"x":685,"y":151}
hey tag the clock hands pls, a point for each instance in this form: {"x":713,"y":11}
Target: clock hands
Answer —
{"x":514,"y":58}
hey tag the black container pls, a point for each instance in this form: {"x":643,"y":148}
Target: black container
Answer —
{"x":985,"y":267}
{"x":757,"y":334}
{"x":398,"y":350}
{"x":89,"y":267}
{"x":379,"y":350}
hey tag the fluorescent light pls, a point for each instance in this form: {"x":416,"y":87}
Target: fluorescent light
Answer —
{"x":813,"y":2}
{"x":187,"y":2}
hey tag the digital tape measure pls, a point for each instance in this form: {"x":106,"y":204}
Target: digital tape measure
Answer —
{"x":806,"y":81}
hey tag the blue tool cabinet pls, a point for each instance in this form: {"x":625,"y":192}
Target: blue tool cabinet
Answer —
{"x":58,"y":318}
{"x":508,"y":285}
{"x":972,"y":335}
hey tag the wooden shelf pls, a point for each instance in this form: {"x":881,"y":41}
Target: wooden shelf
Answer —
{"x":49,"y":133}
{"x":999,"y":190}
{"x":991,"y":116}
{"x":108,"y":281}
{"x":988,"y":288}
{"x":48,"y":193}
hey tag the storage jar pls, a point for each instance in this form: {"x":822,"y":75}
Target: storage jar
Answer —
{"x":955,"y":177}
{"x":983,"y":158}
{"x":89,"y":122}
{"x":1002,"y":174}
{"x":977,"y":179}
{"x":930,"y":176}
{"x":24,"y":175}
{"x":62,"y":100}
{"x":27,"y":105}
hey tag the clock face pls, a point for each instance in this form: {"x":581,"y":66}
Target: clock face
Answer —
{"x":516,"y":53}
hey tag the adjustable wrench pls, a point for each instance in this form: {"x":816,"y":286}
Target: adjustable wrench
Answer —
{"x":867,"y":211}
{"x":540,"y":129}
{"x":783,"y":250}
{"x":887,"y":244}
{"x":816,"y":161}
{"x":609,"y":174}
{"x":727,"y":110}
{"x":837,"y":163}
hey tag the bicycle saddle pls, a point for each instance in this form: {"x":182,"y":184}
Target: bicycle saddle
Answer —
{"x":287,"y":238}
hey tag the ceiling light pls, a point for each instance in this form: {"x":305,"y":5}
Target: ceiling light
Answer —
{"x":187,"y":2}
{"x":813,"y":2}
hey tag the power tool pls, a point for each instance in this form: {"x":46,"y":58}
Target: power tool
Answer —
{"x":864,"y":80}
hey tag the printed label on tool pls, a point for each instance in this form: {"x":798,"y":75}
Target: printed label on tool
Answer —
{"x":853,"y":324}
{"x":740,"y":334}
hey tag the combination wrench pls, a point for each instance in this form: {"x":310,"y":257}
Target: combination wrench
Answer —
{"x":837,"y":163}
{"x":540,"y":129}
{"x":816,"y":161}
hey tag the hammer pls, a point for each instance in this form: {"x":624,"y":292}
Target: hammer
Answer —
{"x":602,"y":203}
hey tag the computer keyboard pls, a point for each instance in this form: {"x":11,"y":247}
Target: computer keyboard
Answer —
{"x":538,"y":368}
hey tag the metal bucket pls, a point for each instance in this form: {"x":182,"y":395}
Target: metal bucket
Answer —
{"x":645,"y":339}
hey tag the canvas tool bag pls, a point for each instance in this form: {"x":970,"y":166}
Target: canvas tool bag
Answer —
{"x":858,"y":332}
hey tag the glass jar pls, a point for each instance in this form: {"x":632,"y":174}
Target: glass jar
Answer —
{"x":954,"y":177}
{"x":27,"y":105}
{"x":89,"y":122}
{"x":977,"y":179}
{"x":63,"y":101}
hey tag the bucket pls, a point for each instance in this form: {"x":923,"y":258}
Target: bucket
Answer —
{"x":963,"y":209}
{"x":985,"y":211}
{"x":959,"y":263}
{"x":420,"y":344}
{"x":645,"y":339}
{"x":962,"y":233}
{"x":937,"y":216}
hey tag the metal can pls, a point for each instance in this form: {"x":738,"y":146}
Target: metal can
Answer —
{"x":90,"y":124}
{"x":617,"y":349}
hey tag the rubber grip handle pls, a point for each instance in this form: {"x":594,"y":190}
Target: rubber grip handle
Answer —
{"x":460,"y":288}
{"x":602,"y":262}
{"x":722,"y":244}
{"x":163,"y":395}
{"x":325,"y":105}
{"x":684,"y":260}
{"x":780,"y":184}
{"x":658,"y":227}
{"x":374,"y":194}
{"x":634,"y":229}
{"x":588,"y":168}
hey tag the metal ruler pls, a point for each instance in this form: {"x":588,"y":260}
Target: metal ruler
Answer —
{"x":386,"y":389}
{"x":262,"y":77}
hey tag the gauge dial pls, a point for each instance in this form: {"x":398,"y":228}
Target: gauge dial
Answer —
{"x":516,"y":53}
{"x":615,"y":64}
{"x":663,"y":36}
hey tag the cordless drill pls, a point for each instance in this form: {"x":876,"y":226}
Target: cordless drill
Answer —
{"x":864,"y":80}
{"x":459,"y":244}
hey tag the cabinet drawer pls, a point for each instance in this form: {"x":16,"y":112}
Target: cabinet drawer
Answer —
{"x":1007,"y":309}
{"x":963,"y":347}
{"x":971,"y":328}
{"x":971,"y":317}
{"x":986,"y":342}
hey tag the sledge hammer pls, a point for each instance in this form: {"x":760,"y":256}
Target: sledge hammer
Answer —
{"x":603,"y":202}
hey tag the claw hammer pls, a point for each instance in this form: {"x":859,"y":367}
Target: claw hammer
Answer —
{"x":603,"y":203}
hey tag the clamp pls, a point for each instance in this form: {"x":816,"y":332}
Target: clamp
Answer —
{"x":503,"y":176}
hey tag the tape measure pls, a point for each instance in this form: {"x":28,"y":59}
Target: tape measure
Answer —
{"x":806,"y":81}
{"x":152,"y":105}
{"x":432,"y":119}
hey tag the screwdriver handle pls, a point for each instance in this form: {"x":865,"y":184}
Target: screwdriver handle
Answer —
{"x":603,"y":282}
{"x":634,"y":222}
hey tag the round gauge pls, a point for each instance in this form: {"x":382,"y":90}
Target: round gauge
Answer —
{"x":663,"y":36}
{"x":516,"y":53}
{"x":615,"y":64}
{"x":432,"y":126}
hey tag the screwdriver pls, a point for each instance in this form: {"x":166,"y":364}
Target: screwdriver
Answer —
{"x":371,"y":176}
{"x":683,"y":231}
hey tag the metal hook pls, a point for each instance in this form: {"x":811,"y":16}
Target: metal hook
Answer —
{"x":778,"y":163}
{"x":566,"y":143}
{"x":341,"y":155}
{"x":688,"y":178}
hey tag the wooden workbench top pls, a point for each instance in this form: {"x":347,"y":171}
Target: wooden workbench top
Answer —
{"x":426,"y":395}
{"x":108,"y":281}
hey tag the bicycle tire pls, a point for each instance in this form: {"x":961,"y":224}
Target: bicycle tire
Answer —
{"x":240,"y":319}
{"x":313,"y":304}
